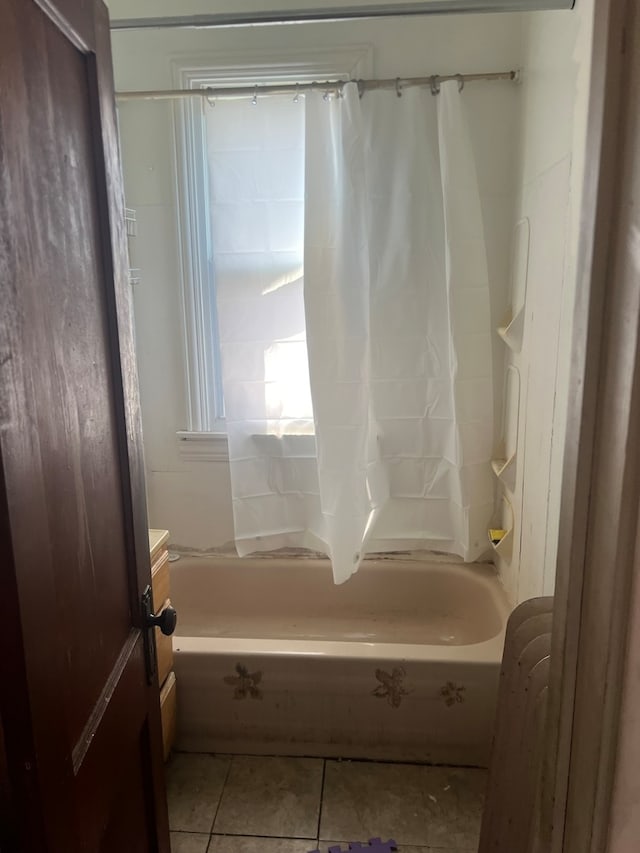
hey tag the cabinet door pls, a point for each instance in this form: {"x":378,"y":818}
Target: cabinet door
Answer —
{"x":81,"y":718}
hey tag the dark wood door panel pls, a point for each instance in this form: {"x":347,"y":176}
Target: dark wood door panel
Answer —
{"x":82,"y":722}
{"x":63,"y":337}
{"x":8,"y":828}
{"x":110,"y":745}
{"x":129,"y":810}
{"x":74,"y":18}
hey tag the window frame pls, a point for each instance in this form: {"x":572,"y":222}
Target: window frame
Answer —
{"x":205,"y":436}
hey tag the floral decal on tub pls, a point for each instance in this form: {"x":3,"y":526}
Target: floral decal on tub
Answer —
{"x":245,"y":683}
{"x":391,"y":687}
{"x":452,"y":693}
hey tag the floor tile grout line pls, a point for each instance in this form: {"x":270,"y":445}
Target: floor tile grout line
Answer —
{"x":262,"y":837}
{"x":253,"y":835}
{"x":217,"y":809}
{"x":190,"y":831}
{"x":322,"y":784}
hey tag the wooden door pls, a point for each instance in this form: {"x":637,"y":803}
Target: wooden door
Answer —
{"x":81,"y":718}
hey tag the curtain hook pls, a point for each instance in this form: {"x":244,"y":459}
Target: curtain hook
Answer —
{"x":296,"y":97}
{"x":254,"y":100}
{"x":435,"y":85}
{"x":398,"y":87}
{"x":460,"y":79}
{"x":211,"y":98}
{"x":325,"y":97}
{"x":360,"y":88}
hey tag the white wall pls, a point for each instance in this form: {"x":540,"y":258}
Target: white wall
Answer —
{"x":190,"y":498}
{"x":556,"y":62}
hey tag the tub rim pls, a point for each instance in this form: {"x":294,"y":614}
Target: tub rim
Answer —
{"x":488,"y":651}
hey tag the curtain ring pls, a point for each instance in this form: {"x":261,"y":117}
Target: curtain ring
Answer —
{"x":211,"y":98}
{"x":435,"y":85}
{"x":398,"y":87}
{"x":460,"y":80}
{"x":254,"y":100}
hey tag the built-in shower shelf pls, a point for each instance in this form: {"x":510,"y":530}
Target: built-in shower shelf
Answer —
{"x":503,"y":544}
{"x":501,"y":465}
{"x":511,"y":329}
{"x":506,"y":451}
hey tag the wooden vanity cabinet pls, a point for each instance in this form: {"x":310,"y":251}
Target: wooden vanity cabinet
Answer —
{"x":160,"y":587}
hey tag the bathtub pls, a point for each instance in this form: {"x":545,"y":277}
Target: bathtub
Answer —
{"x":400,"y":663}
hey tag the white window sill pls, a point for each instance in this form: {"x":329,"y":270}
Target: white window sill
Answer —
{"x":213,"y":446}
{"x":203,"y":446}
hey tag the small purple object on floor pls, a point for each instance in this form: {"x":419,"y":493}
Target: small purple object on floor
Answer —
{"x":375,"y":845}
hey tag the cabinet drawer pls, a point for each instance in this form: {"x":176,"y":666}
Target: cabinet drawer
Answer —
{"x":168,"y":713}
{"x":164,"y":654}
{"x":160,"y":589}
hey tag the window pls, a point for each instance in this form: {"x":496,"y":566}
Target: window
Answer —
{"x":241,"y":217}
{"x":255,"y":159}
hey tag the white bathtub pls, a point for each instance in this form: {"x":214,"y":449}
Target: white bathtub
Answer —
{"x":399,"y":663}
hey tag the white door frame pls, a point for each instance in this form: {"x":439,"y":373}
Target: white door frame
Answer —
{"x":601,"y":483}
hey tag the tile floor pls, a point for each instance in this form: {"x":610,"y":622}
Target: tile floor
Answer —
{"x":248,"y":804}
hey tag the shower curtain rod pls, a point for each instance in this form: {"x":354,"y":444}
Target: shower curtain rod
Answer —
{"x":327,"y":87}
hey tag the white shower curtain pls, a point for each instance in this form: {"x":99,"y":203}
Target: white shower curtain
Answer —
{"x":396,"y":300}
{"x":256,"y":199}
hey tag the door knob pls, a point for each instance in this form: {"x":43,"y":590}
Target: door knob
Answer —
{"x":166,"y":620}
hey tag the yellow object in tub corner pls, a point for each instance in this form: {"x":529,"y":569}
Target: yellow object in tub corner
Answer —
{"x":496,"y":535}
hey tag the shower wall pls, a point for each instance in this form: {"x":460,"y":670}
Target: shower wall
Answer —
{"x":556,"y":61}
{"x":192,"y":497}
